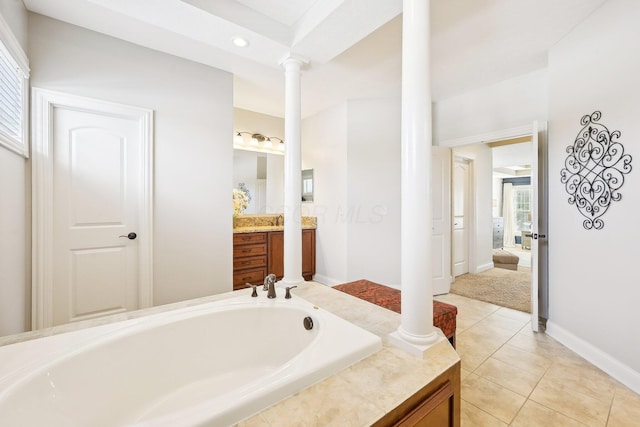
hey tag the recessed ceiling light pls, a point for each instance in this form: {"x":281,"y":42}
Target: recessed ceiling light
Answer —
{"x":240,"y":42}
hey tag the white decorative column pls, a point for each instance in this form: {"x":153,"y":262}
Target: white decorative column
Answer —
{"x":416,"y":332}
{"x":292,"y":172}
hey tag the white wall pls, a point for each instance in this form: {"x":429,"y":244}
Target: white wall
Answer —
{"x":354,"y":150}
{"x":15,"y":264}
{"x":505,"y":105}
{"x":594,"y":281}
{"x":250,"y":121}
{"x":324,"y":149}
{"x":372,"y":213}
{"x":193,"y":116}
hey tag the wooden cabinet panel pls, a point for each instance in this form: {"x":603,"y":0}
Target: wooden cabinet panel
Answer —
{"x":275,"y":263}
{"x":436,"y":405}
{"x":276,"y":253}
{"x":255,"y":276}
{"x":308,"y":254}
{"x":257,"y":254}
{"x":248,"y":238}
{"x":249,"y":259}
{"x":249,"y":250}
{"x":254,"y":261}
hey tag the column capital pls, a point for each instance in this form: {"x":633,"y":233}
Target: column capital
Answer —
{"x":291,"y":59}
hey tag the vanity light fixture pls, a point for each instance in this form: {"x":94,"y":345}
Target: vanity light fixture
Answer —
{"x":259,"y":142}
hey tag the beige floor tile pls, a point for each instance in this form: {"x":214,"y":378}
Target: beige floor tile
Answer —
{"x":453,"y":299}
{"x":533,"y":414}
{"x":485,"y":336}
{"x":491,"y":398}
{"x":509,"y":376}
{"x":522,"y":359}
{"x":477,"y":309}
{"x":513,"y":314}
{"x":541,"y":344}
{"x":584,"y":379}
{"x":464,"y":373}
{"x":464,"y":323}
{"x":472,"y":352}
{"x":625,"y":411}
{"x":501,"y":322}
{"x":586,"y":409}
{"x":471,"y":416}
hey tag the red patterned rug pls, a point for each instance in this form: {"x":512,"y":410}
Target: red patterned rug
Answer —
{"x":444,"y":315}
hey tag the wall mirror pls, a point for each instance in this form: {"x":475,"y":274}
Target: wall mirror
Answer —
{"x":307,"y":185}
{"x":263,"y":176}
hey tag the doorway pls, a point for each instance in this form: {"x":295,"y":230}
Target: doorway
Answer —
{"x":483,"y":215}
{"x":92,"y":208}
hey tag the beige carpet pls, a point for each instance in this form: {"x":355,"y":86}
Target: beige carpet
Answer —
{"x":498,"y":286}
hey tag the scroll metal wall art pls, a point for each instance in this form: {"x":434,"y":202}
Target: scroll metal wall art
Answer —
{"x":594,"y":170}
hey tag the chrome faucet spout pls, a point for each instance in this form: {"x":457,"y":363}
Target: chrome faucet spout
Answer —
{"x":270,"y":285}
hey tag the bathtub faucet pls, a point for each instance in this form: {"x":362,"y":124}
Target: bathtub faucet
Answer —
{"x":270,"y":285}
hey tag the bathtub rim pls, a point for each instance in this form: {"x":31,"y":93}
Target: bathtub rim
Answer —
{"x":100,"y":335}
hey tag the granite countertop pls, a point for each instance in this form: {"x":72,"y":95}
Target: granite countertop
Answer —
{"x":254,"y":223}
{"x":264,"y":228}
{"x":356,"y":396}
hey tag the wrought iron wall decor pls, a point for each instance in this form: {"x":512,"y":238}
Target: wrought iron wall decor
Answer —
{"x":594,"y":170}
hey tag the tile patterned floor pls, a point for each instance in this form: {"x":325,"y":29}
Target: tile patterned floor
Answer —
{"x":514,"y":377}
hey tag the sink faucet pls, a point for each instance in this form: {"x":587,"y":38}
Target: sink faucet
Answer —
{"x":270,"y":285}
{"x":278,"y":219}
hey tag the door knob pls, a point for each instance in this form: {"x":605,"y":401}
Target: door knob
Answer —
{"x":130,"y":236}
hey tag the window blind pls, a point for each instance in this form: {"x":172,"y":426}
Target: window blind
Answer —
{"x":11,"y":92}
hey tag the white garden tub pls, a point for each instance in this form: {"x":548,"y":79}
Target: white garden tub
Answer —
{"x":212,"y":364}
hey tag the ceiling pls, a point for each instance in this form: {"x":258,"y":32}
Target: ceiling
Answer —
{"x":353,"y":46}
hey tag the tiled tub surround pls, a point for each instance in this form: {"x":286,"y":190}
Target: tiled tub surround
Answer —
{"x":267,"y":222}
{"x":357,"y":396}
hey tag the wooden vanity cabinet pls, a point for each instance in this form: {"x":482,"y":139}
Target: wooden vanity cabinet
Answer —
{"x":260,"y":253}
{"x":435,"y":405}
{"x":249,"y":259}
{"x":276,"y":253}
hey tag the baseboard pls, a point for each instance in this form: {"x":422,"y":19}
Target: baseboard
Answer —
{"x":326,"y":280}
{"x":484,"y":267}
{"x":597,"y":357}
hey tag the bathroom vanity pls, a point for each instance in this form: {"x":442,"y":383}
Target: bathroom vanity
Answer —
{"x":258,"y":249}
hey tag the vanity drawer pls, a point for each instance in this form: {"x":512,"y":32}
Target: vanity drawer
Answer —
{"x":249,"y":238}
{"x":254,"y":276}
{"x":249,"y":250}
{"x":256,"y":261}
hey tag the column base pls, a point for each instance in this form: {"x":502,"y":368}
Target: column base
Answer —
{"x":418,"y":346}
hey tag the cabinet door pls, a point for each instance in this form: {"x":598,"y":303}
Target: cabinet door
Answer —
{"x":276,"y":254}
{"x":308,"y":253}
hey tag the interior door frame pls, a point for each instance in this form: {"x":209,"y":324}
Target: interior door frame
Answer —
{"x":539,"y":304}
{"x":471,"y":217}
{"x":43,"y":103}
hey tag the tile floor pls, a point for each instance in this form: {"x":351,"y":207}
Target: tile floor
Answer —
{"x":514,"y":377}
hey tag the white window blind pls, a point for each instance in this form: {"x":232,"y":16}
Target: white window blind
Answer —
{"x":11,"y":102}
{"x":14,"y":90}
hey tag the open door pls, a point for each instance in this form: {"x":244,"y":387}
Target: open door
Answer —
{"x":441,"y":219}
{"x":539,"y":223}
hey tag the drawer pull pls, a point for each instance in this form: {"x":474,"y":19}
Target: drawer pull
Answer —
{"x":246,"y":251}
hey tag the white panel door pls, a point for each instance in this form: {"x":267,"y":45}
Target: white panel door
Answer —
{"x":441,"y":217}
{"x":460,"y":217}
{"x":96,"y":191}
